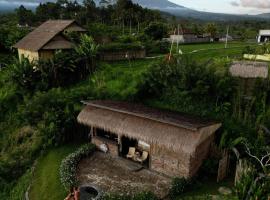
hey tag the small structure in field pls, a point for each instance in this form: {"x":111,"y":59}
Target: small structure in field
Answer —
{"x":42,"y":42}
{"x":264,"y":36}
{"x":248,"y":69}
{"x":168,"y":142}
{"x":248,"y":72}
{"x":187,"y":37}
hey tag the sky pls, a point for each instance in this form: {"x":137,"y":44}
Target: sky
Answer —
{"x":228,"y":6}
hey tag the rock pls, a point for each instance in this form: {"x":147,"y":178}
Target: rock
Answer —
{"x":225,"y":191}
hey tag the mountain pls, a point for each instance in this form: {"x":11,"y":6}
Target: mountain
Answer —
{"x":162,"y":5}
{"x":264,"y":15}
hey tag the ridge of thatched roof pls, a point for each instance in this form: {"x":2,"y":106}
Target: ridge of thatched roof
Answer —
{"x":169,"y":129}
{"x":249,"y":69}
{"x":43,"y":34}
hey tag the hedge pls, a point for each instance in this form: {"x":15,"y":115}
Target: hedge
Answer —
{"x":69,"y":165}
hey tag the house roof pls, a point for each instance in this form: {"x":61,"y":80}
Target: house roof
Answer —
{"x":264,"y":32}
{"x":249,"y":69}
{"x":171,"y":129}
{"x":43,"y":34}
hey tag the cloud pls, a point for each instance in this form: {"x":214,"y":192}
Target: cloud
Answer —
{"x":262,"y":4}
{"x":234,"y":3}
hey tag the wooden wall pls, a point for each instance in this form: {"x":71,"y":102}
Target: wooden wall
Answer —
{"x":46,"y":54}
{"x":35,"y":56}
{"x":31,"y":55}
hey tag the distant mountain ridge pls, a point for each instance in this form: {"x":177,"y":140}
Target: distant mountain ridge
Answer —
{"x":162,"y":5}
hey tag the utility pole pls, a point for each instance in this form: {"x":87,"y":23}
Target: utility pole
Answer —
{"x":226,"y":44}
{"x":177,"y":49}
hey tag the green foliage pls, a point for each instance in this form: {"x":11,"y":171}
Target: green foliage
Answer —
{"x":139,"y":196}
{"x":178,"y":187}
{"x":46,"y":182}
{"x":87,"y":47}
{"x":69,"y":165}
{"x":157,"y":47}
{"x":156,"y":30}
{"x":18,"y":191}
{"x":204,"y":80}
{"x":115,"y":47}
{"x":64,"y":69}
{"x":20,"y":150}
{"x":253,"y":185}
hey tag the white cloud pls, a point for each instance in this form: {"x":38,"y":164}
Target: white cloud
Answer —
{"x":262,"y":4}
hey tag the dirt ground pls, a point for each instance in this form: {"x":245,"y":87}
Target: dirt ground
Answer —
{"x":117,"y":175}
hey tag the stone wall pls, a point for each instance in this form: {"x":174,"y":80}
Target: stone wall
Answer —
{"x":123,"y":55}
{"x":168,"y":162}
{"x":200,"y":154}
{"x":112,"y":146}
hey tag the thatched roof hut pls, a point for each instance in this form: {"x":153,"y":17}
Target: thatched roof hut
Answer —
{"x":46,"y":38}
{"x":249,"y":69}
{"x":171,"y":135}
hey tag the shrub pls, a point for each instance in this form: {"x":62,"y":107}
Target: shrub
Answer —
{"x":179,"y":186}
{"x":145,"y":196}
{"x":115,"y":47}
{"x":156,"y":30}
{"x":69,"y":165}
{"x":139,"y":196}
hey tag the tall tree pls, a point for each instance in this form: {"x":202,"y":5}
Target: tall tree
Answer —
{"x":25,"y":16}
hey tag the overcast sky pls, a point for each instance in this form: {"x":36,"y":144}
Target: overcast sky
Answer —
{"x":228,"y":6}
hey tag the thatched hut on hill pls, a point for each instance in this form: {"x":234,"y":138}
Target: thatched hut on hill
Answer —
{"x":248,"y":72}
{"x":42,"y":42}
{"x":177,"y":144}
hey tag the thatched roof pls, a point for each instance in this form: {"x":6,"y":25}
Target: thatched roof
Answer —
{"x":248,"y":69}
{"x":43,"y":34}
{"x":165,"y":128}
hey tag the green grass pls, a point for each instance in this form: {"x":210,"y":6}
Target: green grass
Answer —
{"x":117,"y":80}
{"x":205,"y":189}
{"x":214,"y":50}
{"x":46,"y":182}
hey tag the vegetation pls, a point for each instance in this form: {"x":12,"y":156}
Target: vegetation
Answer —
{"x":179,"y":186}
{"x":46,"y":180}
{"x":39,"y":101}
{"x":69,"y":166}
{"x":139,"y":196}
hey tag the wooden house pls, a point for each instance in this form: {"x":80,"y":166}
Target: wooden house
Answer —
{"x":176,"y":144}
{"x":43,"y":41}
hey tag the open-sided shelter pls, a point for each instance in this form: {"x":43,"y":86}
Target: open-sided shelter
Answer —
{"x":177,"y":144}
{"x":42,"y":42}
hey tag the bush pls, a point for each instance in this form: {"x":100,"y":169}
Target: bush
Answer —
{"x":69,"y":165}
{"x":156,"y":30}
{"x":179,"y":186}
{"x":116,"y":47}
{"x":139,"y":196}
{"x":157,"y":47}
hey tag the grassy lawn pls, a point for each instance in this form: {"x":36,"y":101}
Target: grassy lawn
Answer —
{"x":187,"y":48}
{"x":46,"y":182}
{"x":214,"y":50}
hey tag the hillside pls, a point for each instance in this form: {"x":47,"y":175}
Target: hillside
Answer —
{"x":163,"y":5}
